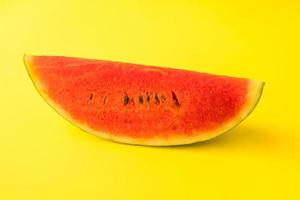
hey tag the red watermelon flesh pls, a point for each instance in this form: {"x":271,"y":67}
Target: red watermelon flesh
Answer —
{"x":140,"y":104}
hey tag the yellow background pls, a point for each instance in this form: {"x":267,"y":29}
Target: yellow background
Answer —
{"x":42,"y":156}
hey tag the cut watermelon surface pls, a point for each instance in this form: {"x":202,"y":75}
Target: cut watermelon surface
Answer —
{"x":139,"y":104}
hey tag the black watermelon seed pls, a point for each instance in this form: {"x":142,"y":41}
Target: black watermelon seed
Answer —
{"x":126,"y":99}
{"x":104,"y":100}
{"x":175,"y":99}
{"x":147,"y":97}
{"x":141,"y":99}
{"x":156,"y":99}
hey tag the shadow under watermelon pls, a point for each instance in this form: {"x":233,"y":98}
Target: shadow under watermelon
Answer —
{"x":247,"y":138}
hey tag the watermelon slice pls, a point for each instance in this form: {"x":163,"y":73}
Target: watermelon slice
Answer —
{"x":138,"y":104}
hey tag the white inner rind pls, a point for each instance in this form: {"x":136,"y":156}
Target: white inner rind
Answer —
{"x":255,"y":89}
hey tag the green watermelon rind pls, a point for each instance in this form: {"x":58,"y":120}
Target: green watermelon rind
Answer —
{"x":255,"y":90}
